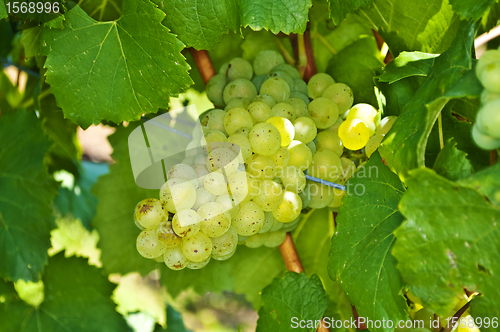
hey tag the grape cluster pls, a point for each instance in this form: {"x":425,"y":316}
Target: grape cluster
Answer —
{"x":486,"y":129}
{"x":244,"y":180}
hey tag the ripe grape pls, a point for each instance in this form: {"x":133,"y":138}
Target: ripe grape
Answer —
{"x":237,"y":102}
{"x":320,"y":195}
{"x":239,"y":88}
{"x":200,"y":265}
{"x":488,"y":70}
{"x":270,"y":101}
{"x":186,"y":223}
{"x":289,"y":69}
{"x":197,"y":248}
{"x":175,"y":259}
{"x":183,"y":171}
{"x":239,"y":68}
{"x":203,"y":196}
{"x":299,"y":105}
{"x":249,"y":219}
{"x":301,"y":96}
{"x":300,"y":155}
{"x":326,"y":165}
{"x":261,"y":167}
{"x":215,"y":183}
{"x":366,"y":113}
{"x":282,"y":157}
{"x":301,"y":87}
{"x":148,"y":244}
{"x":265,"y":139}
{"x":270,"y":195}
{"x":149,"y":213}
{"x":354,"y":134}
{"x":265,"y":61}
{"x":484,"y":141}
{"x":305,"y":129}
{"x":237,"y":118}
{"x":256,"y":240}
{"x":276,"y":225}
{"x":277,"y":88}
{"x":259,"y":111}
{"x":284,"y":127}
{"x":240,"y":144}
{"x":215,"y":88}
{"x":324,"y":112}
{"x":488,"y":119}
{"x":318,"y":84}
{"x":293,"y":179}
{"x":341,"y":94}
{"x":225,"y":244}
{"x":289,"y":208}
{"x":167,"y":236}
{"x":227,"y":202}
{"x":223,"y":158}
{"x":215,"y":120}
{"x":330,"y":140}
{"x":178,"y":194}
{"x":284,"y":76}
{"x":284,"y":110}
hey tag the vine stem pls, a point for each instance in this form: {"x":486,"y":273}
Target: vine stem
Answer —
{"x":204,"y":64}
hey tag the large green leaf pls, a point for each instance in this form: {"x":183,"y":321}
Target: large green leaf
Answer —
{"x":339,"y":9}
{"x":356,"y":66}
{"x":471,"y":9}
{"x":77,"y":298}
{"x":288,"y":16}
{"x":102,"y":11}
{"x":452,"y":163}
{"x":289,"y":300}
{"x":487,"y":182}
{"x":427,"y":26}
{"x":360,"y":252}
{"x":115,"y":70}
{"x":407,"y":64}
{"x":26,"y":193}
{"x":449,"y":241}
{"x":200,"y":23}
{"x":451,"y":77}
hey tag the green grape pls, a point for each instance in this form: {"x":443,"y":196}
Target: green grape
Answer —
{"x":203,"y":196}
{"x":167,"y":236}
{"x":292,"y":178}
{"x":373,"y":144}
{"x":237,"y":118}
{"x":177,"y":194}
{"x":318,"y":84}
{"x":300,"y":155}
{"x":225,"y":257}
{"x":354,"y":134}
{"x":284,"y":110}
{"x":226,"y":201}
{"x":241,"y":144}
{"x":291,"y":225}
{"x":265,"y":139}
{"x":276,"y":225}
{"x":242,"y":238}
{"x":188,"y":162}
{"x":301,"y":87}
{"x":324,"y":112}
{"x":321,"y":195}
{"x":183,"y":171}
{"x":239,"y":68}
{"x":186,"y":223}
{"x":245,"y":131}
{"x":149,"y":212}
{"x":289,"y":69}
{"x":341,"y":94}
{"x":223,"y":69}
{"x":301,"y":96}
{"x":268,"y":222}
{"x":270,"y":101}
{"x":256,"y":240}
{"x":258,"y":80}
{"x":336,"y":125}
{"x":237,"y":102}
{"x":312,"y":146}
{"x":240,"y":187}
{"x":281,"y":158}
{"x":265,"y":61}
{"x":225,"y":244}
{"x":215,"y":219}
{"x":259,"y":111}
{"x":337,"y":198}
{"x":277,"y":88}
{"x":330,"y":140}
{"x":201,"y":171}
{"x":326,"y":165}
{"x":275,"y":239}
{"x":193,"y":148}
{"x":148,"y":244}
{"x":305,"y":197}
{"x":284,"y":76}
{"x":348,"y":169}
{"x":200,"y":265}
{"x":385,"y":125}
{"x":488,"y":119}
{"x":212,"y":139}
{"x":223,"y":158}
{"x":299,"y":105}
{"x":270,"y":195}
{"x":239,"y":88}
{"x":289,"y":208}
{"x":215,"y":120}
{"x":487,"y":96}
{"x":249,"y":219}
{"x":484,"y":141}
{"x":366,"y":113}
{"x":261,"y":167}
{"x":488,"y":70}
{"x":215,"y":183}
{"x":285,"y":129}
{"x":174,"y":258}
{"x":197,"y":248}
{"x":215,"y":88}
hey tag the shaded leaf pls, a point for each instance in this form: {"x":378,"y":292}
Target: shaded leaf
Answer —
{"x":452,"y":163}
{"x":487,"y":182}
{"x":407,"y":64}
{"x":102,"y":11}
{"x":471,"y":9}
{"x":339,"y":9}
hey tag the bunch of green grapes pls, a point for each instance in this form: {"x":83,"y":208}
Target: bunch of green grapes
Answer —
{"x":244,"y":180}
{"x":486,"y":129}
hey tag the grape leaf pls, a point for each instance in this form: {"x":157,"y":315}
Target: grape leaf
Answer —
{"x":26,"y":193}
{"x":115,"y":70}
{"x":356,"y":66}
{"x":74,"y":292}
{"x":452,"y":163}
{"x":102,"y":11}
{"x":30,"y":39}
{"x":200,"y":23}
{"x":431,"y":29}
{"x":450,"y":240}
{"x":407,"y":64}
{"x":474,"y":9}
{"x":360,"y":252}
{"x":404,"y":146}
{"x":295,"y":296}
{"x":487,"y":182}
{"x":117,"y":194}
{"x":339,"y":9}
{"x":287,"y":16}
